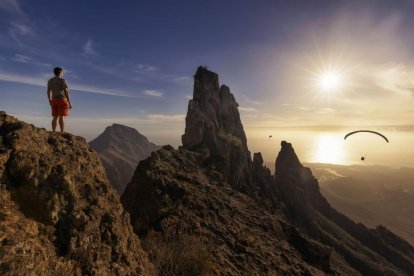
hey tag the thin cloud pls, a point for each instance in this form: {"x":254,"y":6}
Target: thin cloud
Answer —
{"x":26,"y":59}
{"x":11,"y":6}
{"x":248,"y":109}
{"x":140,"y":72}
{"x":304,"y":108}
{"x":88,"y":48}
{"x":153,"y":93}
{"x":144,"y":68}
{"x":397,"y":78}
{"x":325,"y":110}
{"x":167,"y":118}
{"x":183,"y":80}
{"x":99,"y":90}
{"x":75,"y":87}
{"x":249,"y":101}
{"x":22,"y":80}
{"x":17,"y":31}
{"x":409,"y":89}
{"x":22,"y":58}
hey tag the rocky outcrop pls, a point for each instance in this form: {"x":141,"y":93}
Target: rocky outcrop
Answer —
{"x":213,"y":128}
{"x":263,"y":184}
{"x":120,"y":149}
{"x":307,"y":209}
{"x":59,"y":214}
{"x":173,"y":194}
{"x":298,"y":189}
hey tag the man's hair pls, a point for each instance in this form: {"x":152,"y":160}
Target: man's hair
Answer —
{"x":57,"y":71}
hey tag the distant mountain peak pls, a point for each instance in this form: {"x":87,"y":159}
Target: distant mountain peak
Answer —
{"x":122,"y":129}
{"x":121,"y":148}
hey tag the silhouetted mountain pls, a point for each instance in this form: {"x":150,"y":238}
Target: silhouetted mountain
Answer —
{"x":120,"y":149}
{"x":58,"y":213}
{"x":248,"y":221}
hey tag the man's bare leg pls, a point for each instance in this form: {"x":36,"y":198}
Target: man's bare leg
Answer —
{"x":54,"y":122}
{"x":61,"y":123}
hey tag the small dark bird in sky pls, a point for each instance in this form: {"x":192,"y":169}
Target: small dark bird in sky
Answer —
{"x":362,"y":158}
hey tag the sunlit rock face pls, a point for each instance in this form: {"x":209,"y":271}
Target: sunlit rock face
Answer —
{"x":120,"y":149}
{"x":58,"y":212}
{"x":213,"y":128}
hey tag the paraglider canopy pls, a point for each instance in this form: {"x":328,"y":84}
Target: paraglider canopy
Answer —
{"x":370,"y":131}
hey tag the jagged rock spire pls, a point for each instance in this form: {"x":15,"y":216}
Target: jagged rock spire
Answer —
{"x":298,"y":187}
{"x":287,"y":159}
{"x":213,"y":128}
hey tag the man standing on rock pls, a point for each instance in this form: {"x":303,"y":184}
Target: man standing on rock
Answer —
{"x":58,"y":95}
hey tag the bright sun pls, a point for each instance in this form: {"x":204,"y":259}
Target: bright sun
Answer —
{"x":329,"y":81}
{"x":331,"y":76}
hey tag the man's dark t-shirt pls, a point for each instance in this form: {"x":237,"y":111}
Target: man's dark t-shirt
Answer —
{"x":57,"y":86}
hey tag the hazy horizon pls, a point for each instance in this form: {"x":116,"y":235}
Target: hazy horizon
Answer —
{"x":313,"y":144}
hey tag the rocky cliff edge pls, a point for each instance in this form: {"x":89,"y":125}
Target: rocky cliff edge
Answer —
{"x":59,"y":214}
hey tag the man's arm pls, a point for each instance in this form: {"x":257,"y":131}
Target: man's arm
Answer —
{"x":66,"y":91}
{"x":49,"y":94}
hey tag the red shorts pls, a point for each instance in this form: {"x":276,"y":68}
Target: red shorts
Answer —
{"x":60,"y":107}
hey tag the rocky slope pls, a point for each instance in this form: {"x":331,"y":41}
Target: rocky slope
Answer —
{"x":372,"y":195}
{"x":361,"y":247}
{"x":59,"y":214}
{"x":171,"y":193}
{"x":120,"y":149}
{"x":249,"y":221}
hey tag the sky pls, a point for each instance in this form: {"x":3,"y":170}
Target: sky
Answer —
{"x":132,"y":62}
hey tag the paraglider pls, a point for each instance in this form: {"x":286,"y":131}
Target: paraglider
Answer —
{"x":370,"y":131}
